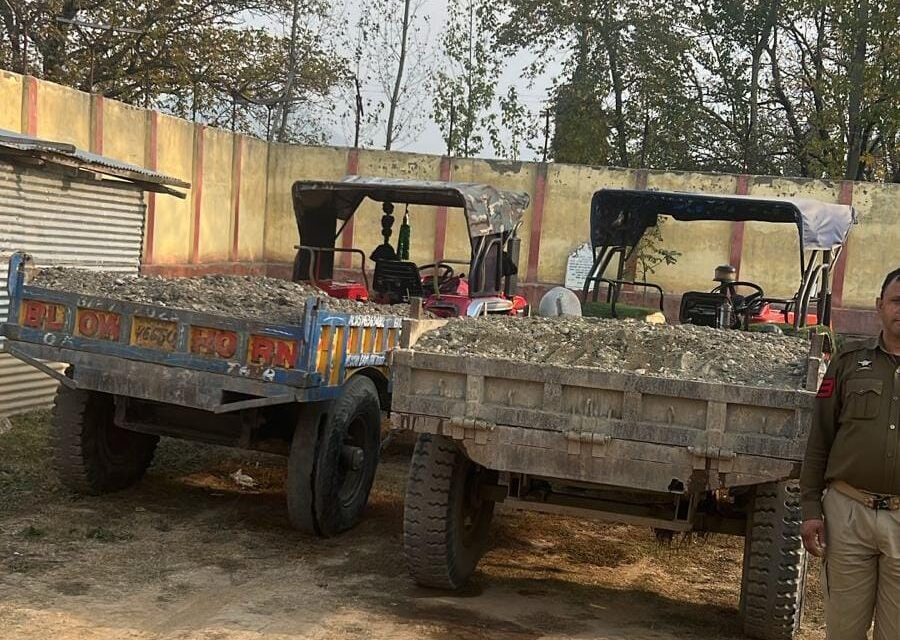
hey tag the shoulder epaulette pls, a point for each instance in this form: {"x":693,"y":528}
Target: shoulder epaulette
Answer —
{"x":858,"y":345}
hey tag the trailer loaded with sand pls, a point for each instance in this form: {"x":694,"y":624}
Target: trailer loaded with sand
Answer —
{"x":247,"y":362}
{"x":292,"y":367}
{"x":682,"y":428}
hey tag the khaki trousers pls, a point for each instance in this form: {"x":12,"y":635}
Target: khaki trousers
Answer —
{"x":862,"y":570}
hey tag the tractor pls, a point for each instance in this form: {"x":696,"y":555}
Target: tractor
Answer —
{"x":621,"y":217}
{"x":483,"y":284}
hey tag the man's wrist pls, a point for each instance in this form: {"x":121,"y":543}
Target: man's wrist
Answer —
{"x":811,"y":510}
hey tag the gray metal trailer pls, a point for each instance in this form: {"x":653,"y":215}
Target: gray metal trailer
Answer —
{"x":673,"y":455}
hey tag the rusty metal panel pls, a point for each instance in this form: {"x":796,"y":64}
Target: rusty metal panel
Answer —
{"x":62,"y":221}
{"x":611,"y":428}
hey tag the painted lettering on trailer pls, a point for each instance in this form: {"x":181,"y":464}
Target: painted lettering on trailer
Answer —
{"x":46,"y":316}
{"x":365,"y":360}
{"x":154,"y":334}
{"x":272,"y":352}
{"x":97,"y":325}
{"x":374,"y":321}
{"x":215,"y":343}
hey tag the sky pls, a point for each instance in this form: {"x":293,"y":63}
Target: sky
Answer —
{"x":429,"y":140}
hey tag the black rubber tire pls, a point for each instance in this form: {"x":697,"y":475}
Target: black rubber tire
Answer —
{"x":325,"y":494}
{"x":93,"y":455}
{"x":774,"y":572}
{"x":441,"y":551}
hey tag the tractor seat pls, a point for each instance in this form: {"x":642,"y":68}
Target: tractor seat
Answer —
{"x":396,"y":281}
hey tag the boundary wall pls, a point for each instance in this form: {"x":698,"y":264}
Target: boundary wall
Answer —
{"x":238,"y":216}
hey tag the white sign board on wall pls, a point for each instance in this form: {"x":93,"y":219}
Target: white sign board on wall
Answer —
{"x":578,"y":266}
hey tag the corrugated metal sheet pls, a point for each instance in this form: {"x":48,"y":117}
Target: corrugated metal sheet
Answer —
{"x":61,"y":222}
{"x":23,"y":142}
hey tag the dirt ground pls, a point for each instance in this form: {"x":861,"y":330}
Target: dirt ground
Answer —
{"x":187,"y":554}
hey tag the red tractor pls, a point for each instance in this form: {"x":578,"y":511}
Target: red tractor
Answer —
{"x":620,"y":217}
{"x":493,"y":217}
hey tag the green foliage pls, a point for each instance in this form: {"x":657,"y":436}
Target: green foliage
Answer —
{"x":258,"y":65}
{"x":518,"y":123}
{"x":652,"y":252}
{"x":795,"y":87}
{"x":464,"y":85}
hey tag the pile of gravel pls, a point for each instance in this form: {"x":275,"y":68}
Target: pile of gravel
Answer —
{"x":250,"y":297}
{"x":683,"y":352}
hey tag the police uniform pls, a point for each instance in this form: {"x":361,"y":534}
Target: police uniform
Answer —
{"x":852,"y":456}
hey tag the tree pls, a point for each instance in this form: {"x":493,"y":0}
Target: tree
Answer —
{"x":517,"y":122}
{"x":197,"y":59}
{"x":393,"y":58}
{"x":464,"y":87}
{"x":622,"y":61}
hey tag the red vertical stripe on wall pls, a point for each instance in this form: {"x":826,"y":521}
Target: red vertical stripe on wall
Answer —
{"x":198,"y":190}
{"x":737,"y":228}
{"x":837,"y":284}
{"x":30,"y":106}
{"x":97,"y":124}
{"x":237,"y":165}
{"x":537,"y":221}
{"x":440,"y":229}
{"x":346,"y":260}
{"x":151,"y":156}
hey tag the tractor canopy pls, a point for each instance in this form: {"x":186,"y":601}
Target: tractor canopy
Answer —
{"x":619,"y":217}
{"x":488,"y":210}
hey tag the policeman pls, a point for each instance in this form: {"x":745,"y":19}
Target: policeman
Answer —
{"x":852,"y":456}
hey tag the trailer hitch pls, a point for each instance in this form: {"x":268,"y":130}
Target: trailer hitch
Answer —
{"x":40,"y":366}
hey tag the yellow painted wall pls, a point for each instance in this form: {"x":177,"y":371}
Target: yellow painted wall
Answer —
{"x":367,"y":221}
{"x":287,"y":164}
{"x":510,"y":176}
{"x":63,"y":115}
{"x":567,"y":209}
{"x":10,"y":101}
{"x":771,"y":255}
{"x":175,"y":144}
{"x":215,"y":205}
{"x":124,"y":132}
{"x":874,"y":246}
{"x":251,"y":236}
{"x":703,"y":245}
{"x":268,"y":230}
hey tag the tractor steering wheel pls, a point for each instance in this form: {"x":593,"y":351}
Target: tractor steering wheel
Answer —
{"x":445,"y":272}
{"x":748,"y":303}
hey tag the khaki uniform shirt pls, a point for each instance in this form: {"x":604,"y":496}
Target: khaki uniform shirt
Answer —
{"x":855,"y":435}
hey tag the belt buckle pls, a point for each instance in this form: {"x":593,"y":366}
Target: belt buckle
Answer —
{"x":881,"y":503}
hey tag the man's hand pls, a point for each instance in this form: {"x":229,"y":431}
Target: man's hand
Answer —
{"x":813,"y":534}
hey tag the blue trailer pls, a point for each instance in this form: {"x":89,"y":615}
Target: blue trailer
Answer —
{"x":312,"y":391}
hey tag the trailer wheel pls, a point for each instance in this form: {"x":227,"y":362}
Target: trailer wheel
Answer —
{"x":93,"y":455}
{"x":446,"y":520}
{"x":332,"y":466}
{"x":774,"y":573}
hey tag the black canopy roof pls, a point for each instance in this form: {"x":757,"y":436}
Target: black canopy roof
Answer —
{"x":621,"y":216}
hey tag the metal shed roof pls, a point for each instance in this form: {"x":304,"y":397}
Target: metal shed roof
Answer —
{"x":20,"y":147}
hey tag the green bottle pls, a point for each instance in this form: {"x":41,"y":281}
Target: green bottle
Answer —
{"x":403,"y":239}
